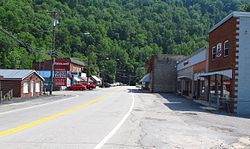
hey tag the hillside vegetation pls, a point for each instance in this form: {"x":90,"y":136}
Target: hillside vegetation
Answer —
{"x":123,"y":33}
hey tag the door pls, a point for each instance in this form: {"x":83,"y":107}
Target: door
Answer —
{"x":32,"y":88}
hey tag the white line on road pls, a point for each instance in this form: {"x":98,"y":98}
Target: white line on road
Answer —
{"x":35,"y":106}
{"x":104,"y":140}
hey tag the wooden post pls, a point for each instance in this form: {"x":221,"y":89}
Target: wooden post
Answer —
{"x":216,"y":92}
{"x":222,"y":85}
{"x":1,"y":96}
{"x":11,"y":93}
{"x":208,"y":90}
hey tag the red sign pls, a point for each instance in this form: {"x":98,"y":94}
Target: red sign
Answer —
{"x":60,"y":72}
{"x":60,"y":81}
{"x":61,"y":64}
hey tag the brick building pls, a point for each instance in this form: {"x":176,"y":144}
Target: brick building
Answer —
{"x":67,"y":71}
{"x":228,"y":73}
{"x":162,"y":70}
{"x":188,"y":69}
{"x":24,"y":83}
{"x":70,"y":64}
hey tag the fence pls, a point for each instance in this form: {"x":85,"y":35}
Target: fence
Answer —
{"x":7,"y":96}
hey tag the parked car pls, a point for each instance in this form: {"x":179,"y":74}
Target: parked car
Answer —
{"x":89,"y":86}
{"x":107,"y":84}
{"x":77,"y":87}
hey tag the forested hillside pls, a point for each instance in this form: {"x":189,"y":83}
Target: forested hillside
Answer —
{"x":123,"y":33}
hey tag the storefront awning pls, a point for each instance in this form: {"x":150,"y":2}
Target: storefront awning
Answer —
{"x":96,"y":79}
{"x":184,"y":77}
{"x":227,"y":73}
{"x":146,"y":78}
{"x":77,"y":79}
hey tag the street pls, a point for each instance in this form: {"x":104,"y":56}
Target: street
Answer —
{"x":119,"y":117}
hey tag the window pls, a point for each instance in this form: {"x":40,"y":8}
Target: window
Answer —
{"x":214,"y":52}
{"x":219,"y":50}
{"x":25,"y":87}
{"x":226,"y":48}
{"x":38,"y":86}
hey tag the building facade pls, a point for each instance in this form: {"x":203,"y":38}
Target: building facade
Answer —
{"x":229,"y":61}
{"x":162,"y":70}
{"x":188,"y":69}
{"x":23,"y":83}
{"x":66,"y":72}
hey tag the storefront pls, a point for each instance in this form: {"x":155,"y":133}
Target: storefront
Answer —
{"x":227,"y":81}
{"x":188,"y":69}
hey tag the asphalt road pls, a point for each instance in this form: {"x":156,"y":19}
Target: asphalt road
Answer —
{"x":119,"y":118}
{"x":82,"y":121}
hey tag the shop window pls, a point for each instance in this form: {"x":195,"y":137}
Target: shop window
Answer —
{"x":25,"y":87}
{"x":38,"y":86}
{"x":226,"y":48}
{"x":214,"y":52}
{"x":219,"y":50}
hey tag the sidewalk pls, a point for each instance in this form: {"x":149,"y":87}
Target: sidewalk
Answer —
{"x":172,"y":121}
{"x":18,"y":103}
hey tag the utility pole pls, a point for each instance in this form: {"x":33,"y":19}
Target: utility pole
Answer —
{"x":87,"y":34}
{"x":53,"y":14}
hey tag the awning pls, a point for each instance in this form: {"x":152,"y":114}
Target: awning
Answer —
{"x":77,"y":79}
{"x":227,"y":73}
{"x":197,"y":77}
{"x":83,"y":78}
{"x":146,"y":78}
{"x":184,"y":77}
{"x":96,"y":78}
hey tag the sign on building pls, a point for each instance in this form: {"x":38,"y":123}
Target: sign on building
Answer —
{"x":60,"y":72}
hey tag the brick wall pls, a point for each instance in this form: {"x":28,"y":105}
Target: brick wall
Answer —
{"x":164,"y":74}
{"x":31,"y":78}
{"x":75,"y":68}
{"x":226,"y":31}
{"x":42,"y":65}
{"x":199,"y":67}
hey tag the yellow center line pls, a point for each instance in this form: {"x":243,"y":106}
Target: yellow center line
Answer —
{"x":37,"y":122}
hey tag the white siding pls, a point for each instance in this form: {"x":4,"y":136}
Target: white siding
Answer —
{"x":243,"y":105}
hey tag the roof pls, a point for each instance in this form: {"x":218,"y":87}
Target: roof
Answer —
{"x":146,"y":78}
{"x":194,"y":53}
{"x":17,"y":74}
{"x":233,"y":14}
{"x":75,"y":61}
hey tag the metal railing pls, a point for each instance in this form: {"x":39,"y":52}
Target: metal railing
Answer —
{"x":7,"y":96}
{"x":221,"y":103}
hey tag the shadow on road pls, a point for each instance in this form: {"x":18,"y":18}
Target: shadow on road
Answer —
{"x":137,"y":90}
{"x":178,"y":103}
